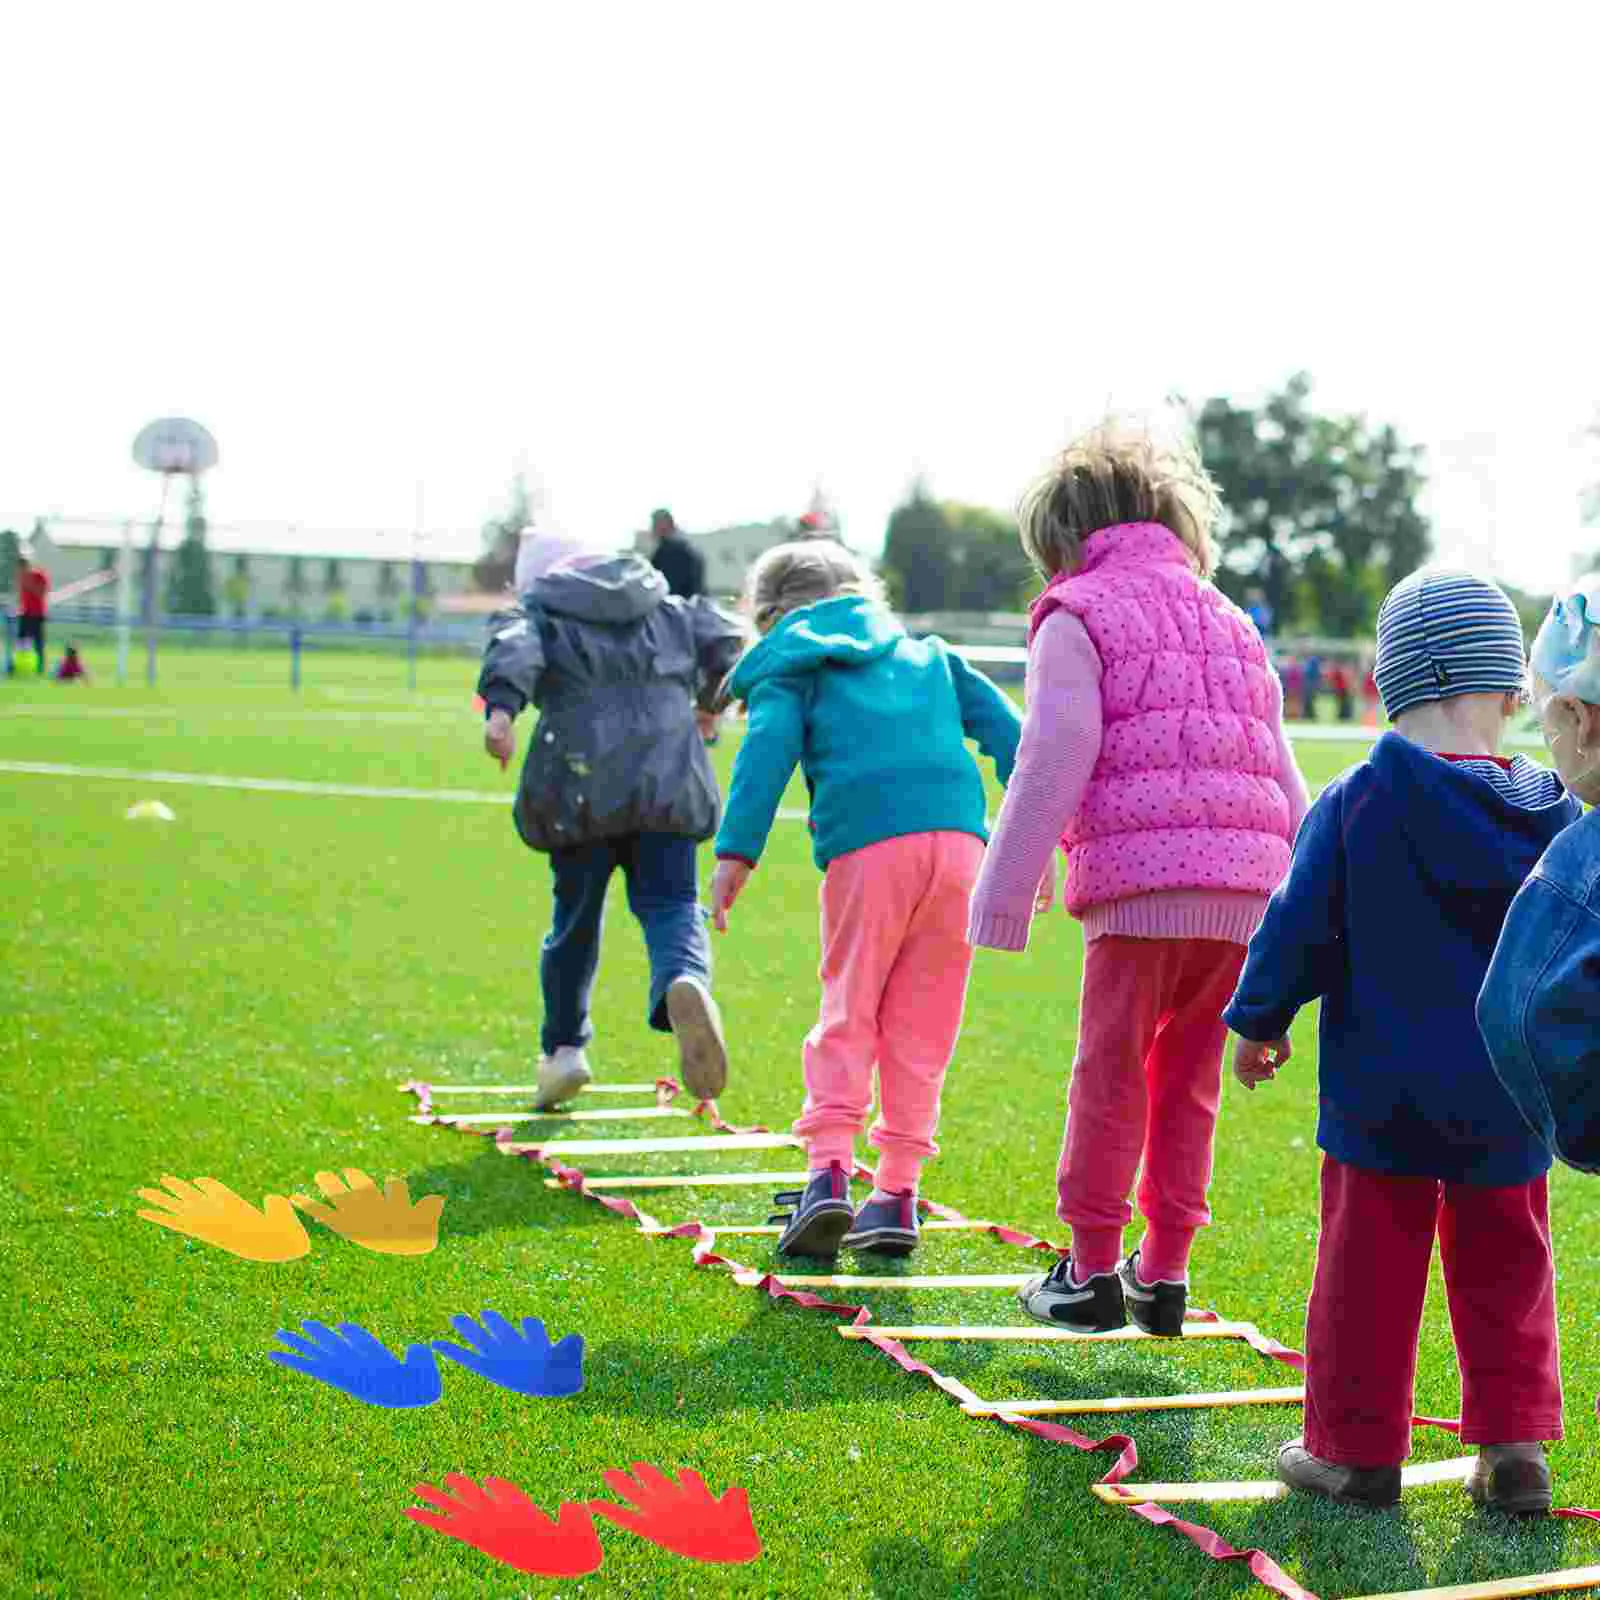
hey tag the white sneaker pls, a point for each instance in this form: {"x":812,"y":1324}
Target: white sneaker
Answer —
{"x":697,"y":1024}
{"x":561,"y":1076}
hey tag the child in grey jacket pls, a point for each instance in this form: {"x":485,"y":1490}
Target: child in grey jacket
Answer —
{"x":625,"y":678}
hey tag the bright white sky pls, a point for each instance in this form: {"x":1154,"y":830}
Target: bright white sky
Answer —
{"x":707,"y":254}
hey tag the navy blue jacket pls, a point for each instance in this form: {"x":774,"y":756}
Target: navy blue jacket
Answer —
{"x":1401,"y":878}
{"x":1539,"y":1011}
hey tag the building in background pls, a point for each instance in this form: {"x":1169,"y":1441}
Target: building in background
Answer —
{"x":295,"y":573}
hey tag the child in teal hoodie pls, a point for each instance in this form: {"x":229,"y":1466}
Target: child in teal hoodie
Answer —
{"x":878,"y":722}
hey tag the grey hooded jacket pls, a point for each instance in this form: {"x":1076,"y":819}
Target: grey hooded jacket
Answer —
{"x":613,"y":663}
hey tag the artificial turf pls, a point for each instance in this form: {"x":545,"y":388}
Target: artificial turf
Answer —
{"x":238,"y":993}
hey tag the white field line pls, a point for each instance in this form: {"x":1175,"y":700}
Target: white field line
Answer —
{"x":352,"y":791}
{"x":234,"y":714}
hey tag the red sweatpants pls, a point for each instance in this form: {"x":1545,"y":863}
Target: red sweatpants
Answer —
{"x":1366,"y":1310}
{"x":1146,"y":1084}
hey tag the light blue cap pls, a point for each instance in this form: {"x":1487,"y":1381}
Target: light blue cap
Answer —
{"x":1566,"y":653}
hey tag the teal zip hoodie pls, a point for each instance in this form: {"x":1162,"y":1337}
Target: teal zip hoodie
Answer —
{"x":878,"y":722}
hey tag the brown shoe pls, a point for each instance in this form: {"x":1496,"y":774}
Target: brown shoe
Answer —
{"x":1375,"y":1487}
{"x":697,"y":1025}
{"x":1514,"y":1478}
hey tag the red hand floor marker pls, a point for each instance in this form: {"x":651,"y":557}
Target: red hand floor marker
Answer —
{"x":502,"y":1522}
{"x":683,"y":1517}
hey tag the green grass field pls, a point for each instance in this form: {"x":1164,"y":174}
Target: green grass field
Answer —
{"x":238,"y":993}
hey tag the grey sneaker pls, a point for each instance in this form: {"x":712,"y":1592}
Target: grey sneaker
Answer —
{"x":562,"y":1074}
{"x":821,"y":1215}
{"x":1514,"y":1478}
{"x":1092,"y":1307}
{"x":885,"y":1227}
{"x":1157,"y":1307}
{"x":697,"y":1026}
{"x":1374,"y":1487}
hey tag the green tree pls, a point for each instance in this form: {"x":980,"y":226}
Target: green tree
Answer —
{"x":10,"y":553}
{"x":189,"y":589}
{"x":917,"y":560}
{"x":943,"y":555}
{"x":1319,"y":512}
{"x":989,"y":571}
{"x":294,"y":585}
{"x":492,"y":571}
{"x":421,"y":605}
{"x":336,"y":603}
{"x":236,"y":590}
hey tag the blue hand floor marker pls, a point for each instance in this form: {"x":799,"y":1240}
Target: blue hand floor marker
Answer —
{"x":354,"y":1361}
{"x":525,"y":1362}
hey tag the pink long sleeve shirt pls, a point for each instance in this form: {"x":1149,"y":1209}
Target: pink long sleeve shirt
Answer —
{"x":1061,"y":735}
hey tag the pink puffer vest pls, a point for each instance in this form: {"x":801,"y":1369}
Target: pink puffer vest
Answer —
{"x":1185,"y":794}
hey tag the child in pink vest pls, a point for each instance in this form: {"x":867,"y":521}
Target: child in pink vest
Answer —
{"x":1153,"y":750}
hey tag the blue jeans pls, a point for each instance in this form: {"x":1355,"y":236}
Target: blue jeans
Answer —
{"x":663,"y":893}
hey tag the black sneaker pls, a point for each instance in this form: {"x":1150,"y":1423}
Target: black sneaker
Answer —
{"x":1374,"y":1487}
{"x":821,"y":1217}
{"x":885,"y":1227}
{"x":1156,"y":1307}
{"x":1092,"y":1307}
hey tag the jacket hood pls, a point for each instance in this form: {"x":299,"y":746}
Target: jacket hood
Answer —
{"x":1468,"y":834}
{"x":616,"y":589}
{"x":846,"y":631}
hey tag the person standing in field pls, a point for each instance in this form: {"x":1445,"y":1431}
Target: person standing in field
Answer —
{"x":878,"y":723}
{"x":1539,"y":1008}
{"x":616,"y":776}
{"x":1401,"y":879}
{"x":676,"y":559}
{"x":1153,"y":751}
{"x":33,"y":604}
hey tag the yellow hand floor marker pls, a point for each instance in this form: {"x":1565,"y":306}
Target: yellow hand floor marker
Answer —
{"x":385,"y":1221}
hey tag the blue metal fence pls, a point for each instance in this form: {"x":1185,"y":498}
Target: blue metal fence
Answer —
{"x":298,"y":636}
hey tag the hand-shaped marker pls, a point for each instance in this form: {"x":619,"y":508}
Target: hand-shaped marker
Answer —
{"x":682,"y":1517}
{"x":500,"y":1520}
{"x":360,"y":1365}
{"x":524,"y":1361}
{"x":387,"y":1222}
{"x":208,"y":1210}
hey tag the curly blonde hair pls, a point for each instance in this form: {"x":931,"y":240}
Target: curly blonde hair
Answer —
{"x":1118,"y":473}
{"x":800,"y":573}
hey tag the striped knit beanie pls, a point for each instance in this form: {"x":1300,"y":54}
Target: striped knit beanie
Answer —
{"x":1443,"y":633}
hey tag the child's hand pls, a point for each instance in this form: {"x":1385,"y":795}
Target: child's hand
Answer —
{"x":709,"y":724}
{"x":1254,"y":1062}
{"x":500,"y":738}
{"x":727,"y":883}
{"x":1045,"y":895}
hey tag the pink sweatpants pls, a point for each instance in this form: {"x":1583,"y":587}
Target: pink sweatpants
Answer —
{"x":1146,"y":1084}
{"x":895,"y":961}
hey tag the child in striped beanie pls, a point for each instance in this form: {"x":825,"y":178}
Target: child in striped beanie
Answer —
{"x":1401,"y":878}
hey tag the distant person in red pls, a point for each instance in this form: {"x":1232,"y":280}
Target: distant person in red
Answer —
{"x":33,"y":594}
{"x":71,"y":667}
{"x":1339,"y":683}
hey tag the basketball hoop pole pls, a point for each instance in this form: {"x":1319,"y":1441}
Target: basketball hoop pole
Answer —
{"x":150,"y":584}
{"x":124,"y":601}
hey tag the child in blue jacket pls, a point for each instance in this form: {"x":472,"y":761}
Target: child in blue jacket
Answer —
{"x":1402,"y":874}
{"x":878,"y":722}
{"x":1540,"y":1006}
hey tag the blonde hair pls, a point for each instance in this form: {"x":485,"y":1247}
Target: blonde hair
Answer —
{"x":1113,"y":474}
{"x":800,"y":573}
